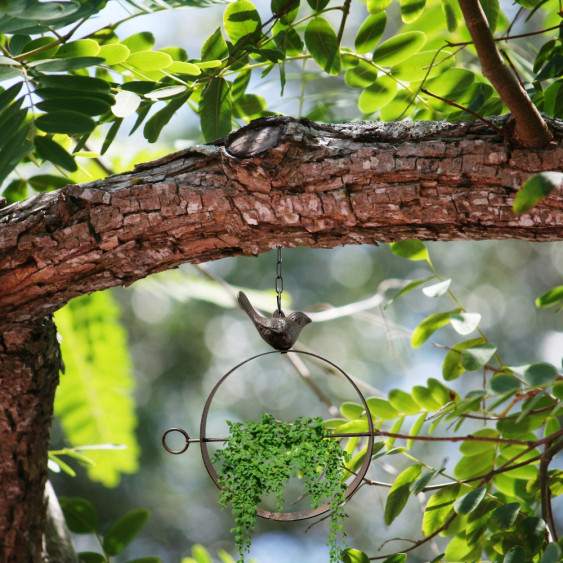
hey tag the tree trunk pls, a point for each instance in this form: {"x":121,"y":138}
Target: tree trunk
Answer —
{"x":29,"y":372}
{"x":276,"y":181}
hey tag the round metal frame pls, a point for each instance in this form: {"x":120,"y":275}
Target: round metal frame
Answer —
{"x":282,"y":516}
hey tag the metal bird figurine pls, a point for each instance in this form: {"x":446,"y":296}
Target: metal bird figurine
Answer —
{"x":280,"y":332}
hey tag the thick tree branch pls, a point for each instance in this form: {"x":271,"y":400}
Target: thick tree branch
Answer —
{"x":531,"y":130}
{"x":276,"y":181}
{"x":29,"y":373}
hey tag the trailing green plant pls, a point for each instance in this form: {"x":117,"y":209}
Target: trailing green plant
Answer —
{"x":261,"y":457}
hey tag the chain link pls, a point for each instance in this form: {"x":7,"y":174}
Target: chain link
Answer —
{"x":279,"y":278}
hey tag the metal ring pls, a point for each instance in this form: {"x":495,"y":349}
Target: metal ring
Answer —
{"x":301,"y":515}
{"x":181,"y":431}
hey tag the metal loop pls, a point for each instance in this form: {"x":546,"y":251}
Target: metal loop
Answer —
{"x":184,"y":434}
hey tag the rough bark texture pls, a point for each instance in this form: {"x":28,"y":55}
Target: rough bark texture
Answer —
{"x":29,"y":372}
{"x":276,"y":181}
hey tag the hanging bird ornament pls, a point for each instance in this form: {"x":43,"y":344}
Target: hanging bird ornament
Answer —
{"x":280,"y":332}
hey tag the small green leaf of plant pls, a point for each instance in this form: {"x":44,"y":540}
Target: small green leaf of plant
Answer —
{"x":80,"y":515}
{"x":437,"y":289}
{"x":375,"y":6}
{"x":438,"y":508}
{"x":540,"y":374}
{"x":411,"y":9}
{"x":65,"y":121}
{"x":149,"y":60}
{"x":377,"y":95}
{"x":429,"y":326}
{"x":400,"y":492}
{"x":505,"y":516}
{"x":551,"y":297}
{"x":492,"y":10}
{"x":322,"y":43}
{"x":370,"y":32}
{"x":469,"y":502}
{"x":396,"y":558}
{"x":241,"y":19}
{"x":124,"y":530}
{"x":53,"y":152}
{"x":380,"y":408}
{"x":449,"y":9}
{"x":476,"y":357}
{"x":504,"y":383}
{"x":552,"y":554}
{"x":465,"y":323}
{"x":354,"y":556}
{"x":398,"y":48}
{"x":216,"y":109}
{"x":91,"y":557}
{"x":410,"y":249}
{"x":536,"y":188}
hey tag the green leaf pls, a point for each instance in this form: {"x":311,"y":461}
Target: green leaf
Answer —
{"x":423,"y":65}
{"x":437,"y":289}
{"x":396,"y":558}
{"x":536,"y":188}
{"x":352,"y":411}
{"x":423,"y":396}
{"x":474,"y":465}
{"x":361,"y":75}
{"x":415,"y":429}
{"x":409,"y":287}
{"x":440,"y":392}
{"x":398,"y":48}
{"x":241,"y":19}
{"x":504,"y":517}
{"x":322,"y":43}
{"x":419,"y":485}
{"x":65,"y":65}
{"x":410,"y":249}
{"x":452,"y":367}
{"x":354,"y":556}
{"x":375,"y":6}
{"x":124,"y":530}
{"x":91,"y":557}
{"x":474,"y":447}
{"x":439,"y":508}
{"x":469,"y":502}
{"x":89,"y":106}
{"x":465,"y":323}
{"x":380,"y":408}
{"x":553,"y":99}
{"x":94,"y":399}
{"x":80,"y":48}
{"x":65,"y":121}
{"x":552,"y":554}
{"x":540,"y":374}
{"x":532,"y":530}
{"x":114,"y":53}
{"x":16,"y":190}
{"x":149,"y":60}
{"x":318,"y":5}
{"x":142,"y":41}
{"x":72,"y":82}
{"x":182,"y":67}
{"x":477,"y":356}
{"x":51,"y":151}
{"x":551,"y":297}
{"x":504,"y":383}
{"x":492,"y":11}
{"x":290,"y":8}
{"x":377,"y":95}
{"x":214,"y":47}
{"x":400,"y":492}
{"x":370,"y":32}
{"x":449,"y":9}
{"x":154,"y":125}
{"x":126,"y":103}
{"x":429,"y":326}
{"x":216,"y":109}
{"x":411,"y":10}
{"x":403,"y":401}
{"x":80,"y":515}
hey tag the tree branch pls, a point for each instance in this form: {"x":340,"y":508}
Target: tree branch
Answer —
{"x":275,"y":181}
{"x":531,"y":130}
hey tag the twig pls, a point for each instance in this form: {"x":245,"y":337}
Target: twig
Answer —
{"x":531,"y":130}
{"x":467,"y":110}
{"x":545,"y":492}
{"x":505,"y":37}
{"x":345,"y":12}
{"x":505,"y":55}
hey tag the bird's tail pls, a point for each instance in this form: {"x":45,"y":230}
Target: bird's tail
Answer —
{"x":245,"y":304}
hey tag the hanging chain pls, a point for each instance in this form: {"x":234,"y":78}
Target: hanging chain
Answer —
{"x":279,"y":278}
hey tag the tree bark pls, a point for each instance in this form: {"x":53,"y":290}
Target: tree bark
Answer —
{"x":29,"y":372}
{"x":276,"y":181}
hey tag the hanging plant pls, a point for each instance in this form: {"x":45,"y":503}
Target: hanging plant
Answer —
{"x":260,"y":458}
